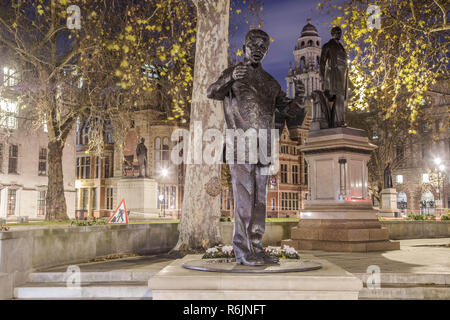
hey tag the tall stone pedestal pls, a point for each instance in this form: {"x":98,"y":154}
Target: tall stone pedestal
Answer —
{"x":338,"y":215}
{"x":388,"y":203}
{"x":140,"y":196}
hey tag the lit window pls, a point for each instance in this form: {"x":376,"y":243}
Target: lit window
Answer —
{"x":41,"y":203}
{"x":399,"y":178}
{"x":9,"y":111}
{"x":425,"y":178}
{"x":42,"y":167}
{"x":10,"y":77}
{"x":11,"y":202}
{"x":109,"y":198}
{"x":13,"y":158}
{"x":1,"y":157}
{"x":94,"y":199}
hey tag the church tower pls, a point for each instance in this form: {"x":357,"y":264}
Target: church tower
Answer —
{"x":306,"y":61}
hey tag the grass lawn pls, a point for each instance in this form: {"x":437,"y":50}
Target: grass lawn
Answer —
{"x":282,"y":219}
{"x":68,"y":222}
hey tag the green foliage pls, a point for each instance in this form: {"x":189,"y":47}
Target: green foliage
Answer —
{"x":445,"y":217}
{"x":4,"y":227}
{"x":293,"y":219}
{"x":421,"y":217}
{"x":412,"y":216}
{"x":225,"y":219}
{"x":86,"y":223}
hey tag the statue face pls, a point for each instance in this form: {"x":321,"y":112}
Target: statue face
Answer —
{"x":337,"y":34}
{"x":255,"y":49}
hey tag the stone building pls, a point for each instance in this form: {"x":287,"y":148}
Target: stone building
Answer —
{"x":419,"y":181}
{"x":103,"y":181}
{"x":306,"y":61}
{"x":23,"y":157}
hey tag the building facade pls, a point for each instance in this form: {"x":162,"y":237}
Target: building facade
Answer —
{"x":422,"y":181}
{"x":306,"y":61}
{"x":98,"y":177}
{"x":23,"y":157}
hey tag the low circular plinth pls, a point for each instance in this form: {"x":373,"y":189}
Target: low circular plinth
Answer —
{"x":230,"y":266}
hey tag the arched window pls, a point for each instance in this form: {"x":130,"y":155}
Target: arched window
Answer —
{"x":157,"y":148}
{"x":165,"y":149}
{"x":302,"y":64}
{"x":303,"y":44}
{"x":310,"y":43}
{"x":318,"y":43}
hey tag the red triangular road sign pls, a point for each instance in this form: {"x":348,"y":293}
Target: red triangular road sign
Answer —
{"x":120,"y":216}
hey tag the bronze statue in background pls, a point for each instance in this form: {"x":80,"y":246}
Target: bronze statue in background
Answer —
{"x":388,"y":177}
{"x":141,"y":153}
{"x":329,"y":104}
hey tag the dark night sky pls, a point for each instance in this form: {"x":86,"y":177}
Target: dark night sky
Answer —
{"x":283,"y":21}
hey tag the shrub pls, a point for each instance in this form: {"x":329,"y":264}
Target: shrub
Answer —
{"x":86,"y":223}
{"x":412,"y":216}
{"x":445,"y":217}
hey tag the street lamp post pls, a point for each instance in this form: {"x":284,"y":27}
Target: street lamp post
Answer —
{"x":161,"y":201}
{"x":441,"y":169}
{"x":162,"y":196}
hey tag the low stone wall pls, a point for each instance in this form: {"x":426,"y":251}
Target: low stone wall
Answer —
{"x":417,"y":229}
{"x":22,"y":252}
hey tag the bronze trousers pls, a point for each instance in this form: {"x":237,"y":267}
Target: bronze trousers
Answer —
{"x":250,"y":195}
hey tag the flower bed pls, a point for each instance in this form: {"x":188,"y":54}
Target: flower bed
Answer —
{"x":227,"y":252}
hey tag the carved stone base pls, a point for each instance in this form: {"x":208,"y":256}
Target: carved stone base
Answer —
{"x":339,"y":215}
{"x":353,"y":235}
{"x":388,"y":203}
{"x":140,"y":195}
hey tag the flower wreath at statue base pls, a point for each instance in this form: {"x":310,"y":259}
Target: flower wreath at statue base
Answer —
{"x":227,"y":252}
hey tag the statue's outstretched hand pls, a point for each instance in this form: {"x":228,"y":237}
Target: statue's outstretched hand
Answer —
{"x":240,"y":72}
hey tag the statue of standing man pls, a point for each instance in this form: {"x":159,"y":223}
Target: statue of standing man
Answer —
{"x":388,"y":177}
{"x":333,"y":73}
{"x":251,"y":96}
{"x":141,"y":153}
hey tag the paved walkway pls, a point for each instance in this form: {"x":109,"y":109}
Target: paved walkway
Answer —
{"x":415,"y":256}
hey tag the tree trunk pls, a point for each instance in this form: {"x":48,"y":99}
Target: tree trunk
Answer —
{"x":199,"y":225}
{"x":56,"y":208}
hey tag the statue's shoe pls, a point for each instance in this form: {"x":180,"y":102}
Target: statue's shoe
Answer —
{"x":268,"y":259}
{"x":250,"y":261}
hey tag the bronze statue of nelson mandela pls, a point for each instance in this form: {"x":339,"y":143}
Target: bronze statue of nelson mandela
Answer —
{"x":251,"y":96}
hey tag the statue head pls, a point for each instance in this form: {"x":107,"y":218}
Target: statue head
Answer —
{"x":336,"y":33}
{"x":256,"y":45}
{"x":142,"y":140}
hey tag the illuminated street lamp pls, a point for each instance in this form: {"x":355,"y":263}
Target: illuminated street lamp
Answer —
{"x":161,"y":201}
{"x":441,"y":170}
